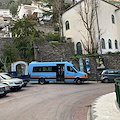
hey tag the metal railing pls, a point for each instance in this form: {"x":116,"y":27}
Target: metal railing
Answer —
{"x":117,"y":90}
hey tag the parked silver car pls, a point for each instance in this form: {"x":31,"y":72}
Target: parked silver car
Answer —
{"x":4,"y":89}
{"x":14,"y":83}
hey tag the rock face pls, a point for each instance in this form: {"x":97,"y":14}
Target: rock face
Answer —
{"x":43,"y":51}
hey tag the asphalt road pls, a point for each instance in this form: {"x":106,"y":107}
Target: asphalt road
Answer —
{"x":52,"y":101}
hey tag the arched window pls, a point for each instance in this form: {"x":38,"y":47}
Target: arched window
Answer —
{"x":103,"y":43}
{"x":67,"y":25}
{"x":79,"y":48}
{"x":116,"y":44}
{"x":113,"y":19}
{"x":110,"y":44}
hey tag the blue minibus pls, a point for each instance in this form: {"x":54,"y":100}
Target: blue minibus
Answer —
{"x":44,"y":72}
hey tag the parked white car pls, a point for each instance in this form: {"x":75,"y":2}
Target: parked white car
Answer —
{"x":4,"y":89}
{"x":14,"y":83}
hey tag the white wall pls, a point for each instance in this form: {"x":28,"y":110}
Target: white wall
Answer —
{"x":108,"y":29}
{"x":5,"y":12}
{"x":23,"y":9}
{"x":76,"y":27}
{"x":24,"y":64}
{"x":117,"y":13}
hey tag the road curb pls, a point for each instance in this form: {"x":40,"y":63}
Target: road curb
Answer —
{"x":89,"y":117}
{"x":93,"y":109}
{"x":105,"y":107}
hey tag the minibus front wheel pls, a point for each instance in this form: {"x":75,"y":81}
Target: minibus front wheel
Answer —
{"x":41,"y":81}
{"x":78,"y":81}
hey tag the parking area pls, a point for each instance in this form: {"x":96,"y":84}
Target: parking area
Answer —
{"x":52,"y":101}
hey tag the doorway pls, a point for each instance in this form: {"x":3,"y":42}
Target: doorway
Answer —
{"x":20,"y":67}
{"x":60,"y":72}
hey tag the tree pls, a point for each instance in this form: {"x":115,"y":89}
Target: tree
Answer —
{"x":22,"y":28}
{"x":23,"y":31}
{"x":58,"y":7}
{"x":11,"y":52}
{"x":4,"y":62}
{"x":89,"y":17}
{"x":57,"y":12}
{"x":13,"y":7}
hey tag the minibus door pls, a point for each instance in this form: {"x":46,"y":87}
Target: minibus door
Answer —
{"x":60,"y":72}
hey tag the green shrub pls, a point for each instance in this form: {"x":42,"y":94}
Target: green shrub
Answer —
{"x":109,"y":52}
{"x":52,"y":37}
{"x":117,"y":52}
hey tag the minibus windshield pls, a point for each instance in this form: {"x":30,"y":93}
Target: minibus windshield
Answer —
{"x":76,"y":69}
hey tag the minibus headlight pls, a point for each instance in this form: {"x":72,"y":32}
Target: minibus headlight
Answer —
{"x":86,"y":75}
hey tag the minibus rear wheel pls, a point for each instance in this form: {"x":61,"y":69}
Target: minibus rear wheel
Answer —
{"x":42,"y":81}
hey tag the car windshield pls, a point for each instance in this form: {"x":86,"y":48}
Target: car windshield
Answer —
{"x":6,"y":76}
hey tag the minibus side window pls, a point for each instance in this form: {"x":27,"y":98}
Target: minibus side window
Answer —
{"x":37,"y":69}
{"x":48,"y":69}
{"x":69,"y":68}
{"x":54,"y":68}
{"x":45,"y":69}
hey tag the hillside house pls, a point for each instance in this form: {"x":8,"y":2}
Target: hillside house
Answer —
{"x":36,"y":8}
{"x":5,"y":19}
{"x":109,"y":26}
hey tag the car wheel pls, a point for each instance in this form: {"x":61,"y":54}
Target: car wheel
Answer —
{"x":25,"y":85}
{"x":41,"y":81}
{"x":78,"y":81}
{"x":3,"y":94}
{"x":106,"y":80}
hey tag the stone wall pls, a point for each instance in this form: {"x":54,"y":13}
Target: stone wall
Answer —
{"x":43,"y":51}
{"x":46,"y":28}
{"x":111,"y":61}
